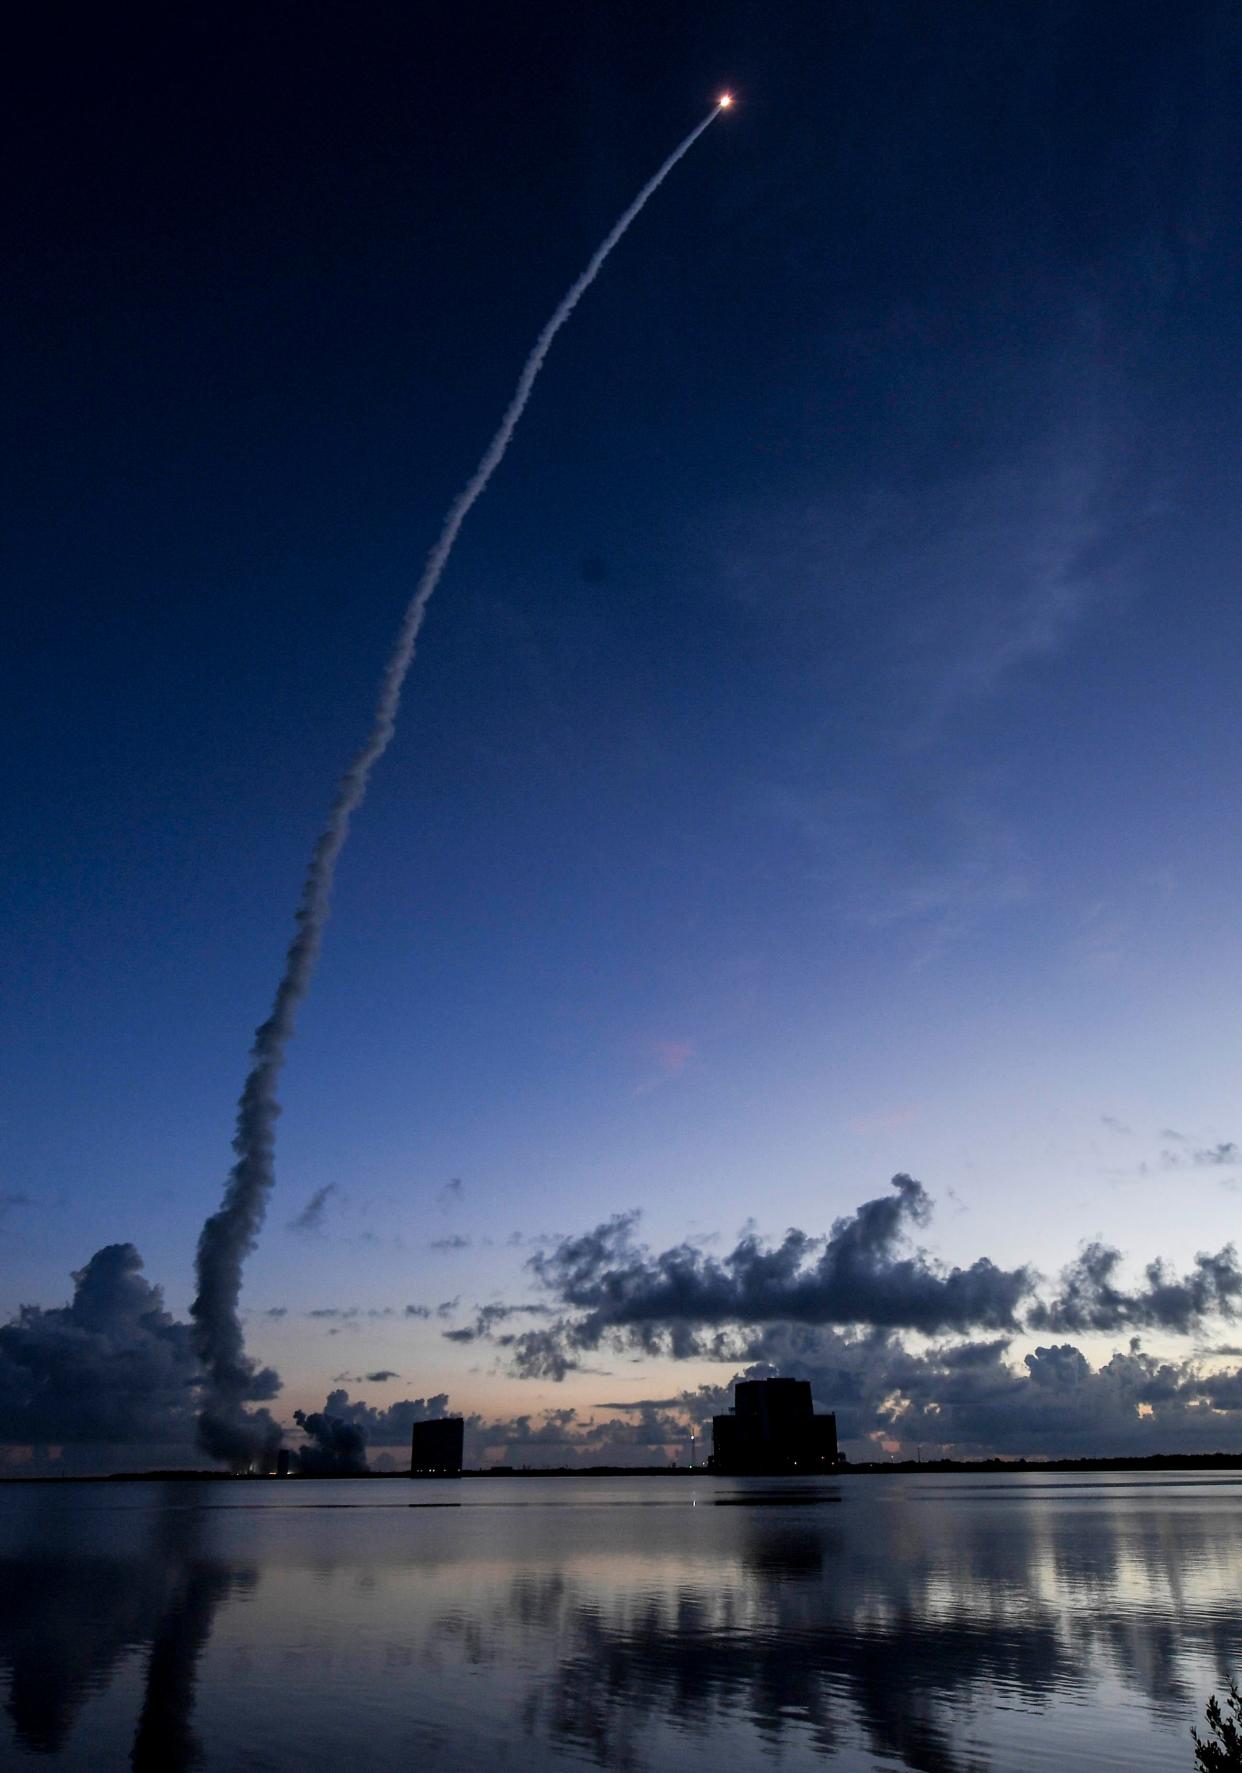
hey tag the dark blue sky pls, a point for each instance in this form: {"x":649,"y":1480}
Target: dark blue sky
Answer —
{"x":822,"y":755}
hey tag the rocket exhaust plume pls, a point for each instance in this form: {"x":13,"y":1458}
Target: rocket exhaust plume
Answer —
{"x":227,"y":1430}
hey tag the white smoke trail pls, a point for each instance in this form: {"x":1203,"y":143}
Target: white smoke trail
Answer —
{"x":226,"y":1429}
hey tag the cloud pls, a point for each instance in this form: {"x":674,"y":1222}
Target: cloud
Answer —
{"x":540,"y":1354}
{"x":929,"y":847}
{"x":971,"y":1399}
{"x":384,"y":1428}
{"x":114,"y":1369}
{"x":487,"y":1317}
{"x":110,"y":1367}
{"x":11,"y":1198}
{"x":1116,"y":1126}
{"x":670,"y":1058}
{"x":275,"y":1311}
{"x":1226,"y":1152}
{"x":333,"y":1447}
{"x":649,"y":1435}
{"x":311,"y":1218}
{"x":964,"y":1398}
{"x":1223,"y":1155}
{"x":1058,"y":1403}
{"x":453,"y":1242}
{"x":1090,"y":1297}
{"x":861,"y":1273}
{"x":608,"y":1288}
{"x":451,"y":1193}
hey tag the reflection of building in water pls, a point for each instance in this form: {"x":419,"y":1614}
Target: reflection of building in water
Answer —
{"x":435,"y":1447}
{"x":772,"y":1430}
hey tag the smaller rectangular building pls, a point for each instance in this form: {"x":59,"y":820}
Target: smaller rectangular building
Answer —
{"x":436,"y":1447}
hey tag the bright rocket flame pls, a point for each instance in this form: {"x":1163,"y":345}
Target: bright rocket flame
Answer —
{"x":726,"y":99}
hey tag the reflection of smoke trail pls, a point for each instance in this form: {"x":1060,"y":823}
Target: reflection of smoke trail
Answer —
{"x":79,"y":1599}
{"x":225,"y":1429}
{"x":164,"y":1741}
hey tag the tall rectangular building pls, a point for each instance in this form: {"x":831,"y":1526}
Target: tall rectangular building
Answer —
{"x":436,"y":1447}
{"x":773,"y":1431}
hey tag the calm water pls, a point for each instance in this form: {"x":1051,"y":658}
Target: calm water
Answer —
{"x":933,"y":1623}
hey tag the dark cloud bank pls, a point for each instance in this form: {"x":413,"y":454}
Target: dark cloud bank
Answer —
{"x":113,"y":1379}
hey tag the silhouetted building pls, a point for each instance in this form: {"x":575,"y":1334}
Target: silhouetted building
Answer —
{"x":773,"y":1431}
{"x":435,"y":1447}
{"x":282,"y":1462}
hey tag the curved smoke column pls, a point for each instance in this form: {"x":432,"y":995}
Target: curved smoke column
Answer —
{"x":226,"y":1429}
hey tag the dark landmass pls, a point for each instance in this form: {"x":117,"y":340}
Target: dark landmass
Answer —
{"x":1021,"y":1467}
{"x":1145,"y":1462}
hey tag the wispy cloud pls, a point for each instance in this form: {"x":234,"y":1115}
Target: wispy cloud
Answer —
{"x":1225,"y":1154}
{"x":669,"y":1059}
{"x":311,"y":1218}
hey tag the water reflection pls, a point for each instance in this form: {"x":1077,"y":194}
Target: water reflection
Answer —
{"x":945,"y":1628}
{"x":83,"y":1594}
{"x":890,"y":1621}
{"x":803,"y":1638}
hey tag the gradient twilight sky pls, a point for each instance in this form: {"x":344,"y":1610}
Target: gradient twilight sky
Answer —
{"x":822,"y":755}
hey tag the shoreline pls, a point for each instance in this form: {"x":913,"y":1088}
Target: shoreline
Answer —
{"x":872,"y":1468}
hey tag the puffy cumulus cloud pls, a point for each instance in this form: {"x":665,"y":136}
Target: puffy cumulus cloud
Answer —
{"x":867,"y":1274}
{"x":384,"y":1428}
{"x":110,"y":1367}
{"x":649,"y":1433}
{"x":1092,"y":1298}
{"x":111,"y":1370}
{"x":863,"y":1272}
{"x":1058,"y":1403}
{"x":976,"y":1398}
{"x":333,"y":1447}
{"x":966,"y":1398}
